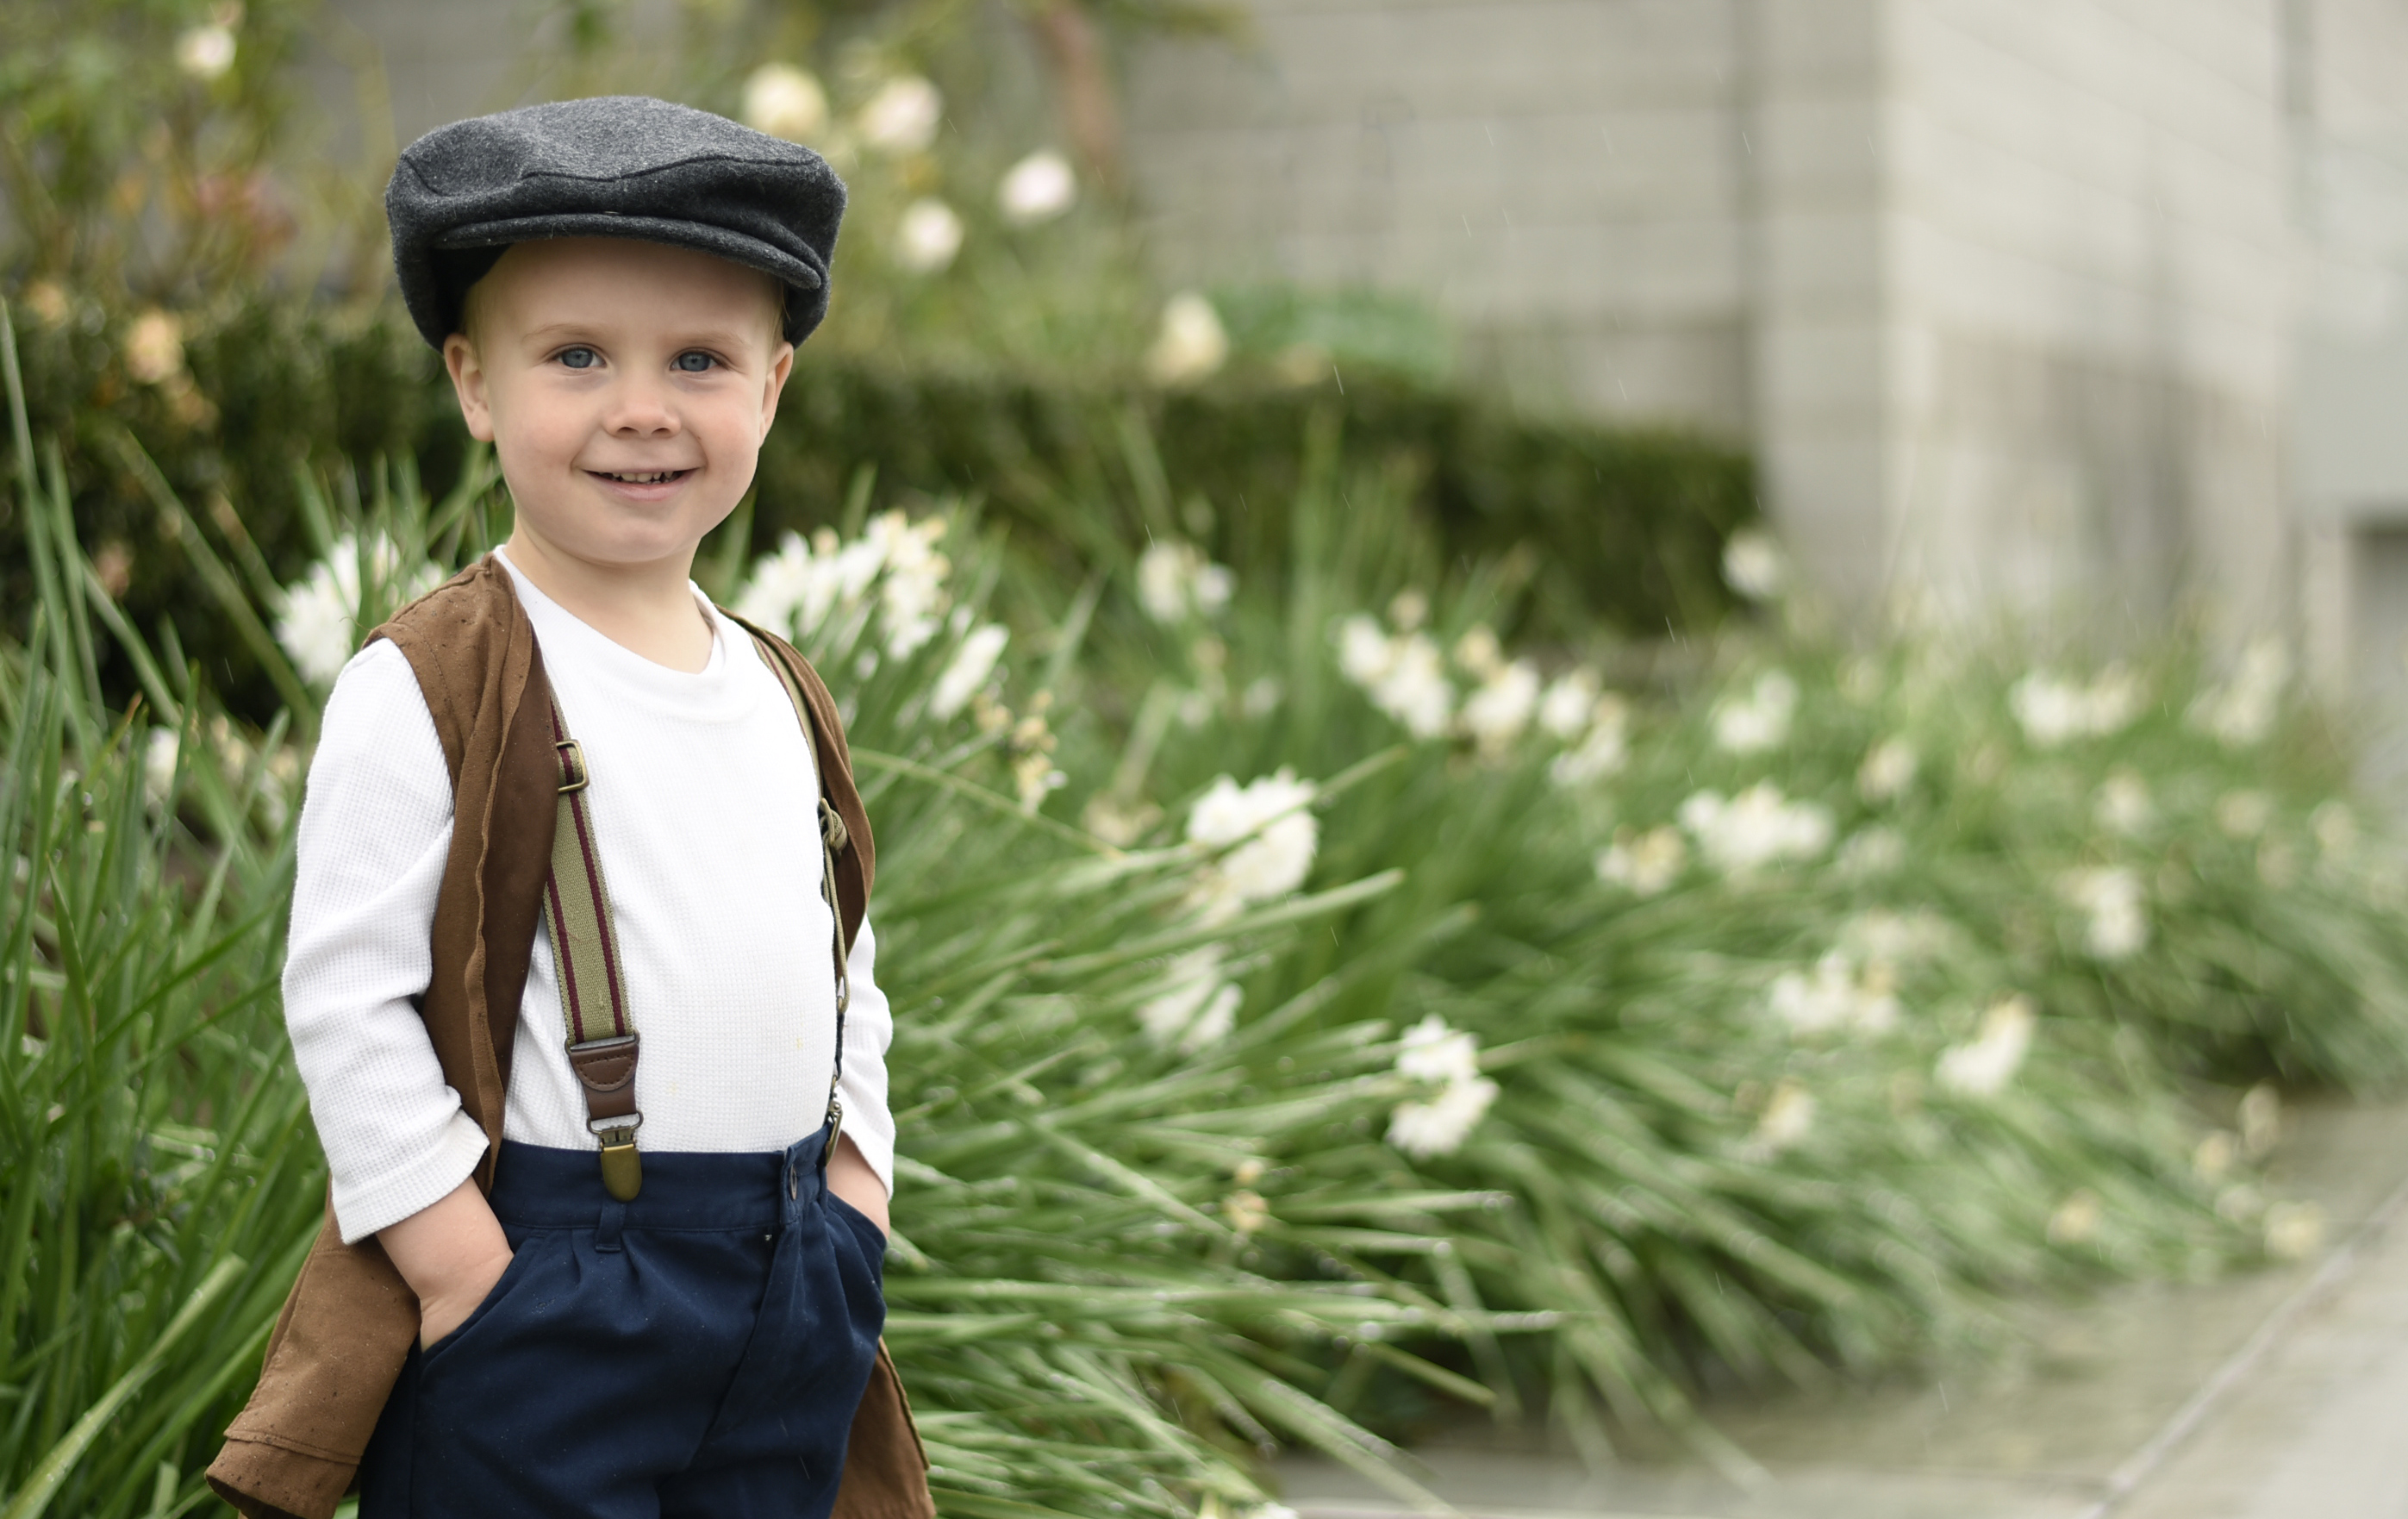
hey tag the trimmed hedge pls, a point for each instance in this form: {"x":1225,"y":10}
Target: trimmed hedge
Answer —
{"x":1625,"y":528}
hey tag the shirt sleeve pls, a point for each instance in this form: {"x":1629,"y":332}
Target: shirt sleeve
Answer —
{"x":869,"y":1030}
{"x":376,"y":829}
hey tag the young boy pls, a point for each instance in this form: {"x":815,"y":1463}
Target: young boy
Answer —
{"x":578,"y":979}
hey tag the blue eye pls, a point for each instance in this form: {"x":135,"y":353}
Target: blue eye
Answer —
{"x":579,"y":358}
{"x":694,"y":362}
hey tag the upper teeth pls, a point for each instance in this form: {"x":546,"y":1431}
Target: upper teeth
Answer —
{"x":654,"y":478}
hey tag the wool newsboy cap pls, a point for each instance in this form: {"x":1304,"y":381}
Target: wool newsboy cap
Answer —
{"x":617,"y":167}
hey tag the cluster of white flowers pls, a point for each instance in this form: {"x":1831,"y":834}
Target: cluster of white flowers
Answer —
{"x":318,"y":624}
{"x":1889,"y":768}
{"x":1982,"y":1067}
{"x":1175,"y":582}
{"x":1405,"y":675}
{"x":2118,"y":926}
{"x":1758,"y":721}
{"x":1191,"y":344}
{"x":1838,"y":996}
{"x":1266,"y":837}
{"x":1198,"y":1006}
{"x":1644,"y":863}
{"x":811,"y":588}
{"x":1757,"y":827}
{"x":2242,"y":711}
{"x":1448,"y":1059}
{"x":2053,"y":711}
{"x":2243,"y":814}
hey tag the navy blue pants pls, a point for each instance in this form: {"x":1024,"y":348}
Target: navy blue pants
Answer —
{"x":698,"y":1350}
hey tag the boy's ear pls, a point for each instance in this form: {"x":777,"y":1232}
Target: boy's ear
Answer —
{"x":781,"y":364}
{"x":468,"y":383}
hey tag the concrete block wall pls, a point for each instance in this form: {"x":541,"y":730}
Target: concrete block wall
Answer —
{"x":1999,"y":289}
{"x":1563,"y":177}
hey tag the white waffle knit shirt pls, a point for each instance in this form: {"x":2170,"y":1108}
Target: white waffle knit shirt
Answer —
{"x":704,"y":798}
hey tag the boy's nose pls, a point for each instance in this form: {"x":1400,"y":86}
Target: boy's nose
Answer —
{"x":639,"y":410}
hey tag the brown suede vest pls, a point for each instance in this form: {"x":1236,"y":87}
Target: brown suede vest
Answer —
{"x":339,"y":1346}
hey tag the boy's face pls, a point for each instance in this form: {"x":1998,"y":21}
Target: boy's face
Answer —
{"x":625,"y":386}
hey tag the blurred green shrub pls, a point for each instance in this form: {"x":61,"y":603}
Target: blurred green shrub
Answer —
{"x":1624,"y":530}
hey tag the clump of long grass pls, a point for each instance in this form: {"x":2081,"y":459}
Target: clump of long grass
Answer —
{"x":1830,"y":996}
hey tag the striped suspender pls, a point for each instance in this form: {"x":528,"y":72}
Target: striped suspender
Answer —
{"x":602,"y":1040}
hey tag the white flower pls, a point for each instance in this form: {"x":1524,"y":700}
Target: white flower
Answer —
{"x":972,"y":662}
{"x":1497,"y":713}
{"x":2124,"y":806}
{"x":1645,"y":866}
{"x":159,"y":754}
{"x":1192,"y":344}
{"x":1757,"y":827}
{"x":1175,"y":581}
{"x":928,"y":236}
{"x":319,"y":622}
{"x":1423,"y":1129}
{"x":1603,"y":751}
{"x":1414,"y":690}
{"x":1753,"y":565}
{"x":1834,"y":997}
{"x":204,"y":52}
{"x":2243,"y":814}
{"x":2053,"y":711}
{"x":1365,"y":654}
{"x":1269,"y":833}
{"x":2242,"y":711}
{"x":903,"y":116}
{"x":1039,"y":188}
{"x":787,"y":102}
{"x":154,"y":347}
{"x":912,"y":596}
{"x":1984,"y":1068}
{"x":2294,"y":1230}
{"x":1760,"y":720}
{"x":1788,"y":1118}
{"x":1565,"y":710}
{"x":1432,"y":1052}
{"x":1478,"y":652}
{"x":1887,"y":771}
{"x":2119,"y":923}
{"x":1197,"y":1006}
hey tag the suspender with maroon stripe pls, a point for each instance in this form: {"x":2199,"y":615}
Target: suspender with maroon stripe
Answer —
{"x":602,"y":1040}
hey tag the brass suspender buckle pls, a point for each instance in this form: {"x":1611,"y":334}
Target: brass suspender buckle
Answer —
{"x":623,"y":1168}
{"x":572,"y":766}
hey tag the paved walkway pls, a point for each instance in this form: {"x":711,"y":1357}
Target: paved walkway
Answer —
{"x":2280,"y":1395}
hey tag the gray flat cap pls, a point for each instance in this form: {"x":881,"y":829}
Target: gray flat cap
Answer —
{"x":618,"y":167}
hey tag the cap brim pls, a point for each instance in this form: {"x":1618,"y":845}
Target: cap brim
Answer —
{"x":734,"y":246}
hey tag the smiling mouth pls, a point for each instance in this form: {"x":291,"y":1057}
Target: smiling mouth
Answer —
{"x":652,"y":477}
